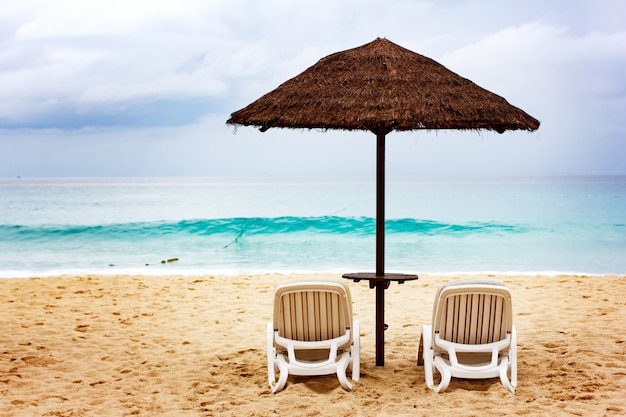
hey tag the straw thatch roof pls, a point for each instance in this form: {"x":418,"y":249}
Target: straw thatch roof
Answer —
{"x":381,"y":86}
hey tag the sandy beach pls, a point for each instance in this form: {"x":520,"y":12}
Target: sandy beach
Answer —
{"x":195,"y":346}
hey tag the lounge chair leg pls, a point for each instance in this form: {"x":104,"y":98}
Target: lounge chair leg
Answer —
{"x":282,"y":379}
{"x":341,"y":372}
{"x":355,"y":353}
{"x":420,"y":352}
{"x":427,"y":355}
{"x":508,"y":371}
{"x":271,"y":357}
{"x":513,"y":358}
{"x":446,"y":376}
{"x":343,"y":380}
{"x":504,"y":376}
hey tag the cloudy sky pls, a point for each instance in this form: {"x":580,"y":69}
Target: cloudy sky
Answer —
{"x":144,"y":87}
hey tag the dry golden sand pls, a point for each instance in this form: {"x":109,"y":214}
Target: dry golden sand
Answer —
{"x":195,"y":346}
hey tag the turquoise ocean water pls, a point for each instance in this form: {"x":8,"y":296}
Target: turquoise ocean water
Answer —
{"x":250,"y":225}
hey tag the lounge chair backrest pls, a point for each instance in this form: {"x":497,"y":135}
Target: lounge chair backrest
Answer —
{"x":473,"y":312}
{"x":312,"y":311}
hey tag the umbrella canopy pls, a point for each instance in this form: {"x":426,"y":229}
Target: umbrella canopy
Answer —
{"x":381,"y":87}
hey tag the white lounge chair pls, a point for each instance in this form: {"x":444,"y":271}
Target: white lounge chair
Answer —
{"x":312,"y":332}
{"x":472,"y":334}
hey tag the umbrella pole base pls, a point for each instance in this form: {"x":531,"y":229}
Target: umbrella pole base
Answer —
{"x":380,"y":322}
{"x":380,"y":283}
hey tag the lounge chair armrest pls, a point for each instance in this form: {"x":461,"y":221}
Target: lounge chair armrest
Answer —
{"x":454,"y":348}
{"x":332,"y":345}
{"x":304,"y":345}
{"x":332,"y":357}
{"x":485,"y":347}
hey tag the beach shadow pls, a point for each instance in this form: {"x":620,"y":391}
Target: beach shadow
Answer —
{"x":475,"y":385}
{"x":323,"y":384}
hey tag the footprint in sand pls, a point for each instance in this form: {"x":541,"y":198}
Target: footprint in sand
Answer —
{"x":38,"y":361}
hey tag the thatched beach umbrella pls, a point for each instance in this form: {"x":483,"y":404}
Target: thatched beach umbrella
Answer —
{"x":381,"y":87}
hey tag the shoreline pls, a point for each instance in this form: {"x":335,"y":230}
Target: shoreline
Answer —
{"x":235,"y":273}
{"x":194,"y":345}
